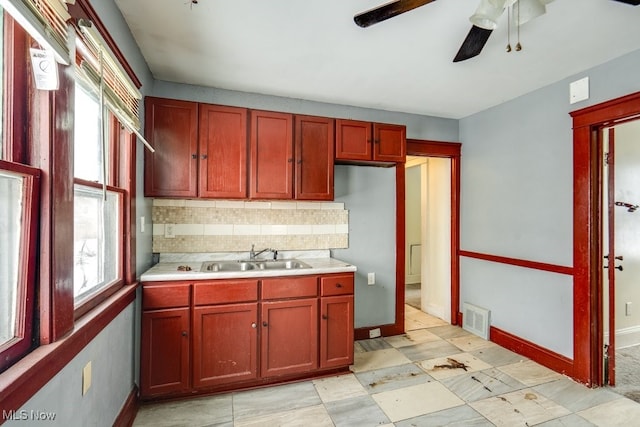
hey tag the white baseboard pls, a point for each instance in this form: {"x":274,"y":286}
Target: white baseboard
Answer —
{"x":434,"y":310}
{"x":626,"y":337}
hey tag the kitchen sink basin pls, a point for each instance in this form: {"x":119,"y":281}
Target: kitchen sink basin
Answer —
{"x":228,"y":266}
{"x":290,"y":264}
{"x":231,"y":266}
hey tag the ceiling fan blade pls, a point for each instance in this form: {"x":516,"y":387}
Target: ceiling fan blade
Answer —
{"x":633,"y":2}
{"x":386,"y":11}
{"x":473,"y":43}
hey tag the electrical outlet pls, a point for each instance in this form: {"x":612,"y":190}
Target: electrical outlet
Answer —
{"x":374,"y":333}
{"x":86,"y":378}
{"x":371,"y":279}
{"x":627,"y":309}
{"x":169,"y":231}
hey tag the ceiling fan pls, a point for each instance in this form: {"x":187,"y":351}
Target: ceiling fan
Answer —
{"x":480,"y":30}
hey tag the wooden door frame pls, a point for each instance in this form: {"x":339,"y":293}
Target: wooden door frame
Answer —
{"x":587,"y":219}
{"x":425,"y":148}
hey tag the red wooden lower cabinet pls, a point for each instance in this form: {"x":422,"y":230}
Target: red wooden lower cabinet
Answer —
{"x":289,"y":337}
{"x":165,"y":352}
{"x":336,"y":324}
{"x":216,"y":335}
{"x":224,"y":344}
{"x":336,"y":331}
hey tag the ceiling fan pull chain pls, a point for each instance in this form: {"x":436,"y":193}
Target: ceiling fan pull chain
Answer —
{"x":509,"y":12}
{"x":518,"y":45}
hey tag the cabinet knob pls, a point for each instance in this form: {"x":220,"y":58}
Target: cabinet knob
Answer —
{"x":338,"y":285}
{"x":194,"y":156}
{"x":204,"y":157}
{"x":325,"y":317}
{"x":290,"y":160}
{"x":184,"y":333}
{"x":254,"y":325}
{"x":264,"y":324}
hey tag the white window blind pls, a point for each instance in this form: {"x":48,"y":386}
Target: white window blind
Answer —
{"x":99,"y":66}
{"x":46,"y":21}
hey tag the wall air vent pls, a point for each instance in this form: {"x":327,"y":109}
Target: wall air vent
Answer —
{"x":476,"y":320}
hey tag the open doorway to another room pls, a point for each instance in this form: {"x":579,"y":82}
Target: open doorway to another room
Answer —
{"x":431,"y":234}
{"x":621,"y":257}
{"x":428,"y":241}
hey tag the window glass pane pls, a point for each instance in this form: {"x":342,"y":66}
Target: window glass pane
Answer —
{"x":11,"y":205}
{"x":96,"y":241}
{"x":87,"y":142}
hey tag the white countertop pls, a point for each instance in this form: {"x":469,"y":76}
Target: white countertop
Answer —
{"x":168,"y":271}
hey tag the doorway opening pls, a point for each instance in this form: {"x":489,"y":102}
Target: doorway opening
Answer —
{"x":620,"y":228}
{"x":427,"y":238}
{"x":588,"y":294}
{"x":446,"y":155}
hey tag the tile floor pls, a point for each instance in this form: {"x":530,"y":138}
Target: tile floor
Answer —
{"x":412,"y":380}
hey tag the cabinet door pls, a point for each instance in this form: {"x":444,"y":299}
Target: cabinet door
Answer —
{"x":289,"y":337}
{"x":353,"y":140}
{"x":225,"y":341}
{"x":336,"y":331}
{"x":314,"y":158}
{"x":389,"y":143}
{"x":171,"y":126}
{"x":164,"y":352}
{"x":223,"y":152}
{"x":271,"y":155}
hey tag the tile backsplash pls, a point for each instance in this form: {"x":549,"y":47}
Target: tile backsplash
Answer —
{"x":227,"y":225}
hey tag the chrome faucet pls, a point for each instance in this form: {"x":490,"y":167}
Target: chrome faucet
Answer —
{"x":253,"y":254}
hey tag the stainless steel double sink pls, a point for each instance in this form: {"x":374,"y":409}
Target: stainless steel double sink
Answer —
{"x":227,"y":266}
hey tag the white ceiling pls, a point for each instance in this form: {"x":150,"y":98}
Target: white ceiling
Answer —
{"x":312,"y":49}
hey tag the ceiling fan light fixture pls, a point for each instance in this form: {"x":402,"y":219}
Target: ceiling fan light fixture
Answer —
{"x":486,"y":15}
{"x":526,"y":10}
{"x":503,"y":3}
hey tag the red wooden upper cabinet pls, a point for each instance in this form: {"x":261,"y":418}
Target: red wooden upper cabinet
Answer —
{"x":362,"y":142}
{"x":271,"y":174}
{"x":171,"y":126}
{"x":389,"y":143}
{"x":314,"y":158}
{"x":223,"y":152}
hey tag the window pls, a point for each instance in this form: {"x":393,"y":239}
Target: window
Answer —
{"x":97,"y":242}
{"x":11,"y":205}
{"x":19,"y":186}
{"x":18,"y":226}
{"x":98,"y":206}
{"x":90,"y":183}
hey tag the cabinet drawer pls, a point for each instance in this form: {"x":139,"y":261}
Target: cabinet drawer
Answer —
{"x":165,"y":296}
{"x":209,"y":293}
{"x":336,"y":285}
{"x":290,"y":287}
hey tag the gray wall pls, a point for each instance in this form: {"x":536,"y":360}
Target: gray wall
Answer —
{"x":517,"y":192}
{"x":113,"y":377}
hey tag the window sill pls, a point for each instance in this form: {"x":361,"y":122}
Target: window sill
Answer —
{"x":24,"y":379}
